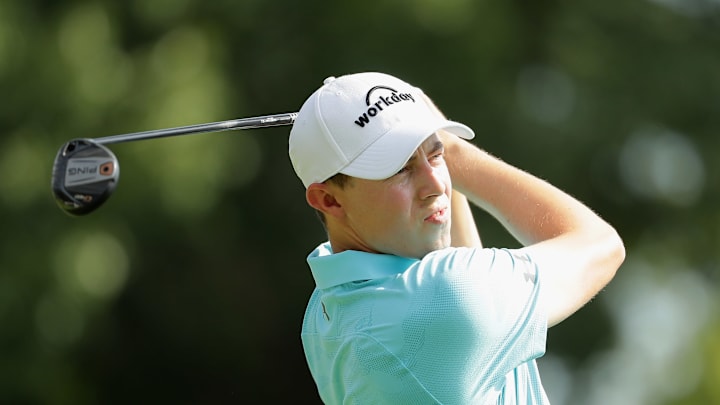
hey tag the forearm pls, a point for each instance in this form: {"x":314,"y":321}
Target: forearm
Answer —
{"x":530,"y":208}
{"x":464,"y":231}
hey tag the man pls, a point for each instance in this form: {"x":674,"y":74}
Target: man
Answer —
{"x":408,"y":307}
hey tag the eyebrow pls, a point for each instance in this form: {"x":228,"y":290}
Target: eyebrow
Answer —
{"x":438,"y":145}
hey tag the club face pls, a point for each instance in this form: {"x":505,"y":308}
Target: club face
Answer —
{"x":84,"y":175}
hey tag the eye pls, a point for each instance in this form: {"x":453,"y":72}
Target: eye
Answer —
{"x":437,"y":157}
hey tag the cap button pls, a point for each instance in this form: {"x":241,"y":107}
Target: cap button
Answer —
{"x":329,"y":79}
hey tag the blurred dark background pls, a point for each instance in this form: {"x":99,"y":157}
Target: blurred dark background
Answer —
{"x":189,"y":285}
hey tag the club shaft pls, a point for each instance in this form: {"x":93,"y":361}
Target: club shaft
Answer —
{"x":264,"y":121}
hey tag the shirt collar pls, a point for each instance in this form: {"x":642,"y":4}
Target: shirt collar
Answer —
{"x":330,"y":269}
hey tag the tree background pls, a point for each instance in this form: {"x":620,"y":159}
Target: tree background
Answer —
{"x":189,"y":285}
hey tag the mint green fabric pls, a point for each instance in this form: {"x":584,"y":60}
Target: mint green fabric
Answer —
{"x":460,"y":326}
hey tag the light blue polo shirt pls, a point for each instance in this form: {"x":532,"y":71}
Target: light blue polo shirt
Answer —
{"x":460,"y":326}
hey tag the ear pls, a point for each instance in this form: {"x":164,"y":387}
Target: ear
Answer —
{"x":322,"y":197}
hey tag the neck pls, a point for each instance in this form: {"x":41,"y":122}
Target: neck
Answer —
{"x":341,"y":239}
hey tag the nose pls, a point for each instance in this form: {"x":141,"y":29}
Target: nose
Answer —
{"x":432,"y":180}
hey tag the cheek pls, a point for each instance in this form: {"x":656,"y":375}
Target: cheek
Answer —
{"x":381,"y":207}
{"x":444,"y":173}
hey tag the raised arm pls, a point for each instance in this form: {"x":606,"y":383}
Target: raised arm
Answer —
{"x":577,"y":252}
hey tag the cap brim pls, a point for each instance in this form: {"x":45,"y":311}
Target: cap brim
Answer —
{"x":387,"y":155}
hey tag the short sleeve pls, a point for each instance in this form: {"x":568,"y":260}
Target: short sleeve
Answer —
{"x":490,"y":297}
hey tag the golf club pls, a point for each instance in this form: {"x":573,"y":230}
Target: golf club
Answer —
{"x":86,"y":172}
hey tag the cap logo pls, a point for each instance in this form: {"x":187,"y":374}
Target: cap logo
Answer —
{"x":385,"y":100}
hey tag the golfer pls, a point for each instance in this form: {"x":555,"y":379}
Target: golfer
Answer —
{"x":409,"y":308}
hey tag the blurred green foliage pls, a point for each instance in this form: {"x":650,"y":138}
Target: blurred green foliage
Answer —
{"x":189,"y":284}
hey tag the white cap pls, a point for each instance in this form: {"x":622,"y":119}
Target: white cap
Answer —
{"x":364,"y":125}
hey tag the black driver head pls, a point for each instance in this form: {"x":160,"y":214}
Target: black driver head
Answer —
{"x":85,"y":173}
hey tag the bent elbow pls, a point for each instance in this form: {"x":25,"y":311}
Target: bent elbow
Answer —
{"x":620,"y":250}
{"x":615,"y":254}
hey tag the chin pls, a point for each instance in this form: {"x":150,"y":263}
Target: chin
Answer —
{"x":443,"y":243}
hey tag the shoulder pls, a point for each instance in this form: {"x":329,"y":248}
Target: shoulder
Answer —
{"x":486,"y":265}
{"x":492,"y":291}
{"x":458,"y":258}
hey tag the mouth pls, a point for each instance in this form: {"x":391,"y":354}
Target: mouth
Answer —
{"x":438,"y":217}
